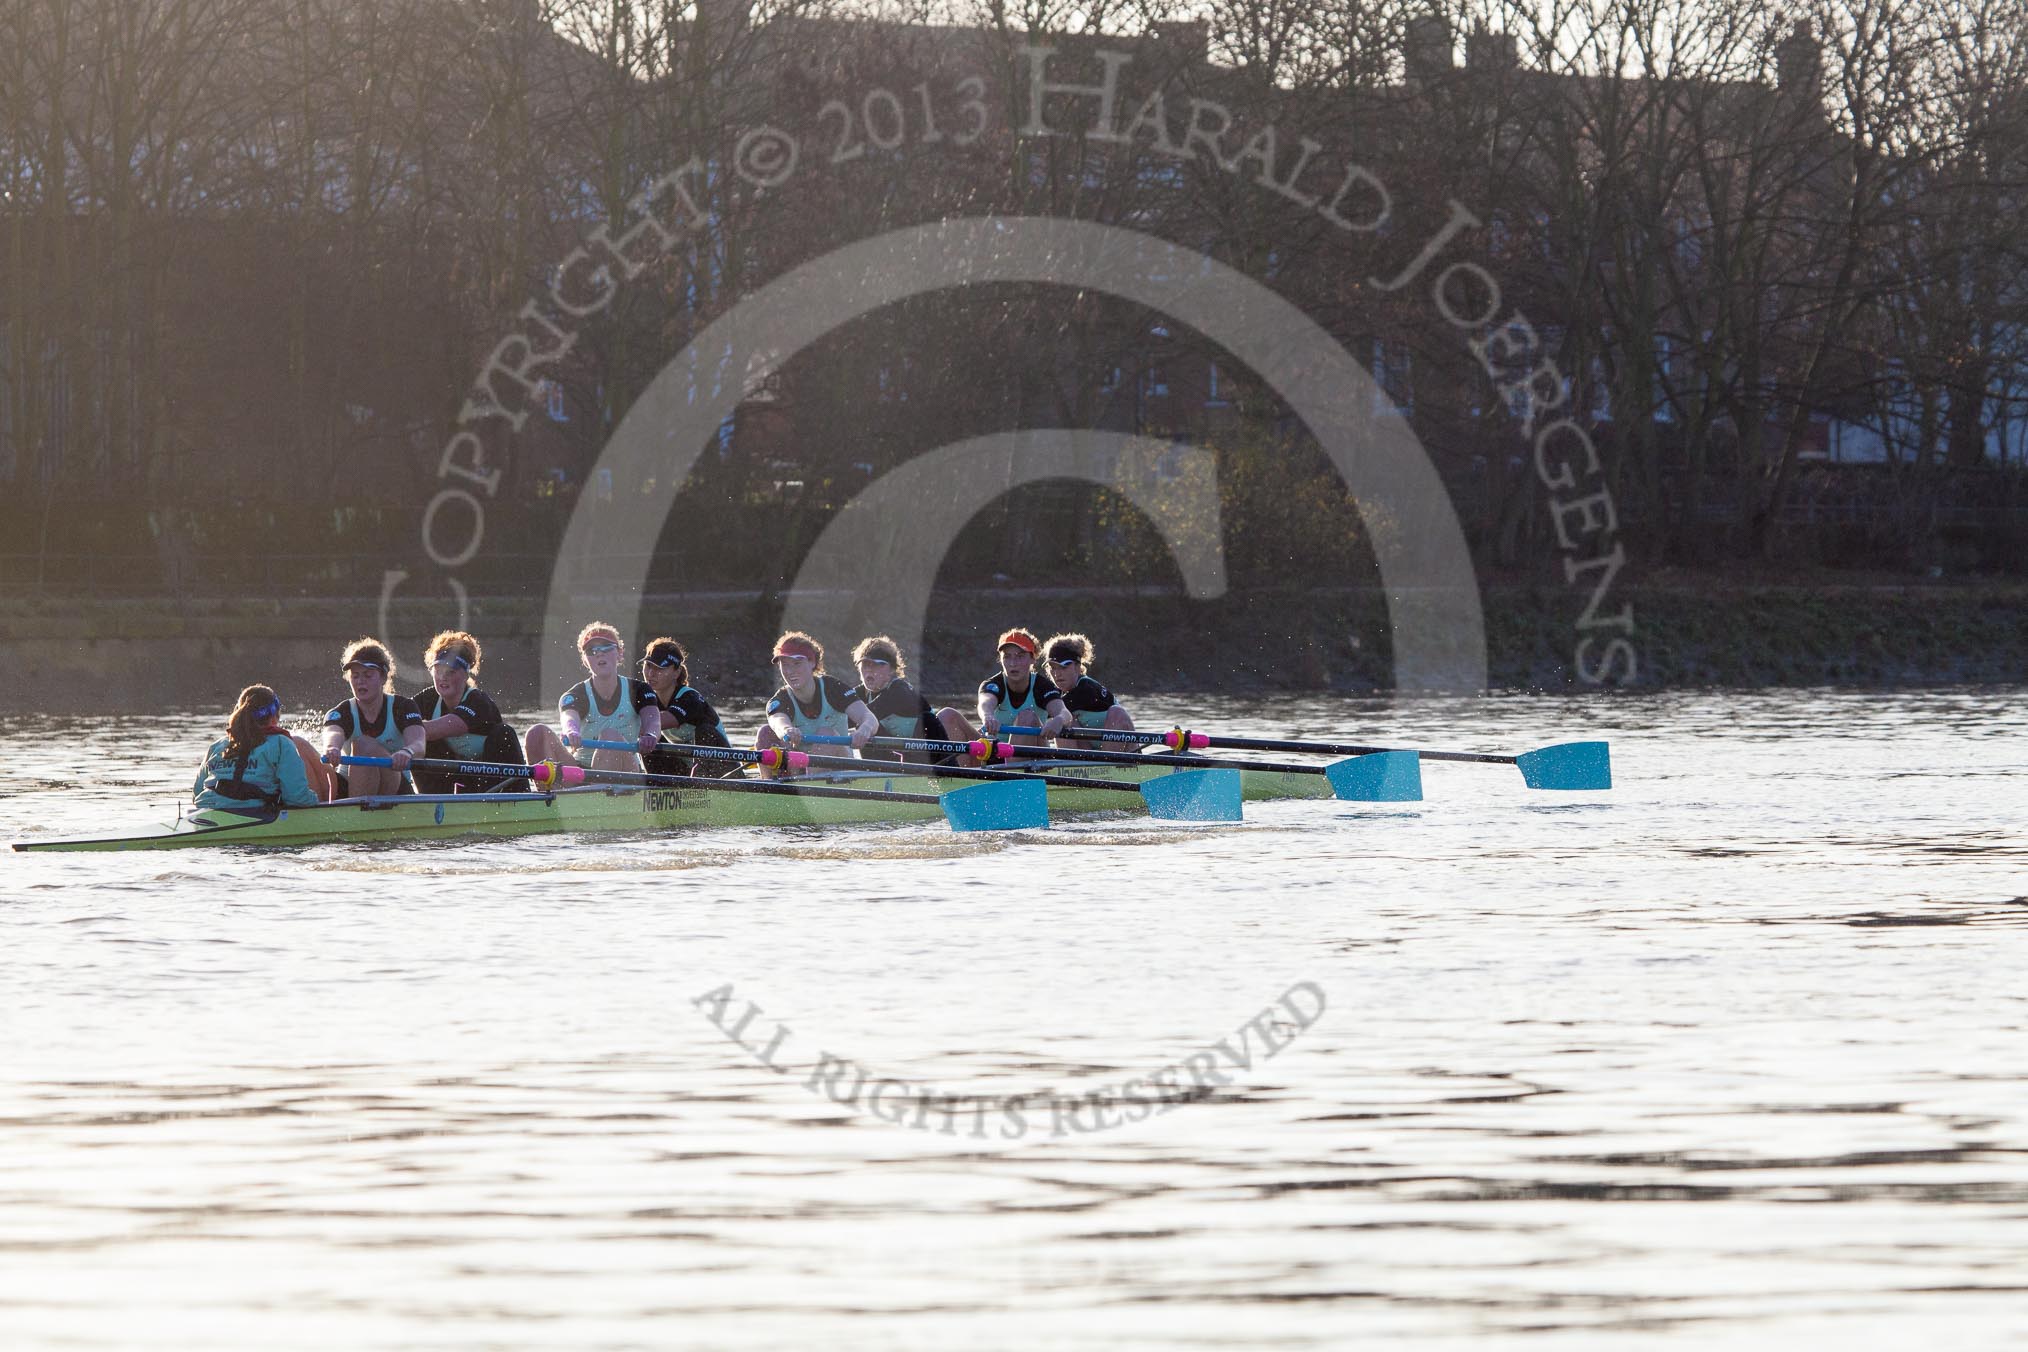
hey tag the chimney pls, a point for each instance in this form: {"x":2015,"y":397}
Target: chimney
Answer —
{"x":1490,"y":51}
{"x":1426,"y":47}
{"x":1799,"y":63}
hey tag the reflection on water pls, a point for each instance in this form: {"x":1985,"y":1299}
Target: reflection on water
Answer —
{"x":1735,"y":1055}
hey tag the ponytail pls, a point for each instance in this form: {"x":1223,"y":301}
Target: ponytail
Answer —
{"x":248,"y":727}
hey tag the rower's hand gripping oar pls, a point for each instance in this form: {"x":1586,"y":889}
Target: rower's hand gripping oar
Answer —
{"x":1189,"y":795}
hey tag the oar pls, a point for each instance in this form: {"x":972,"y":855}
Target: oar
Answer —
{"x":1386,"y":777}
{"x":1214,"y":796}
{"x":980,"y":811}
{"x":1025,"y":808}
{"x":1565,"y":765}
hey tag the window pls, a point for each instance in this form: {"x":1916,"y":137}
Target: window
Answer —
{"x":1393,"y":377}
{"x":559,"y":408}
{"x":1154,"y":384}
{"x":1215,"y":393}
{"x":1665,"y":356}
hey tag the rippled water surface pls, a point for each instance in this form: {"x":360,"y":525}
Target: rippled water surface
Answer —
{"x":1732,"y":1056}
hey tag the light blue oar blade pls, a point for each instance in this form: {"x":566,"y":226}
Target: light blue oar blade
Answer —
{"x":1567,"y":765}
{"x":1194,"y":796}
{"x":1008,"y":805}
{"x":1379,"y":777}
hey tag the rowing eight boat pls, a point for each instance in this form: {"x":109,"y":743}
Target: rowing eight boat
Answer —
{"x":855,"y":797}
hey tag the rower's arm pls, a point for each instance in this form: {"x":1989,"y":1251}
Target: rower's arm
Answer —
{"x":450,"y":725}
{"x":334,"y":739}
{"x":1057,"y":722}
{"x":293,"y":779}
{"x":651,"y":723}
{"x":989,"y":705}
{"x":865,"y":727}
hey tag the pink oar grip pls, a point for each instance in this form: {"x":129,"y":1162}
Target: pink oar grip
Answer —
{"x":1001,"y":751}
{"x":565,"y":775}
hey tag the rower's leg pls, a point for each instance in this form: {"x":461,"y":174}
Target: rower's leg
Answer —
{"x":1117,"y":719}
{"x":958,"y":729}
{"x":765,"y":740}
{"x":321,"y":782}
{"x":545,"y":745}
{"x":616,"y":760}
{"x":372,"y":781}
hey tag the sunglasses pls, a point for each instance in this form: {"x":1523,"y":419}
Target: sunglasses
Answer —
{"x":601,"y":649}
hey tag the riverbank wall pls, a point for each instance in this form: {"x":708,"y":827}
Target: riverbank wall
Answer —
{"x":71,"y":656}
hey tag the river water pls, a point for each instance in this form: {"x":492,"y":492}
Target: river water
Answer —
{"x":1733,"y":1054}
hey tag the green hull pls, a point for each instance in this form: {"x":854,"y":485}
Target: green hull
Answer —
{"x":684,"y":808}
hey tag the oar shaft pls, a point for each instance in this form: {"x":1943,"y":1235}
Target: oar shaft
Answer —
{"x":1003,"y":750}
{"x":879,"y":767}
{"x":1349,"y":749}
{"x":571,"y":774}
{"x":729,"y":755}
{"x":1125,"y":737}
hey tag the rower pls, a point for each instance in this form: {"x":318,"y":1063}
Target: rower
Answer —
{"x":258,"y":766}
{"x":606,"y":707}
{"x":1010,"y":697}
{"x":461,"y":721}
{"x":811,"y":702}
{"x":687,"y":717}
{"x":898,"y":706}
{"x":1086,"y":703}
{"x":374,"y":722}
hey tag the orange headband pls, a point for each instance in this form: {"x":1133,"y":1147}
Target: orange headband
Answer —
{"x":798,"y":646}
{"x":1018,"y":639}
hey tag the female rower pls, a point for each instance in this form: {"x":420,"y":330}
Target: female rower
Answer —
{"x":687,"y":717}
{"x":1086,"y":703}
{"x":898,"y":706}
{"x":259,"y":766}
{"x":606,"y":707}
{"x":811,"y":702}
{"x":1010,"y":697}
{"x":461,"y":721}
{"x":374,"y":722}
